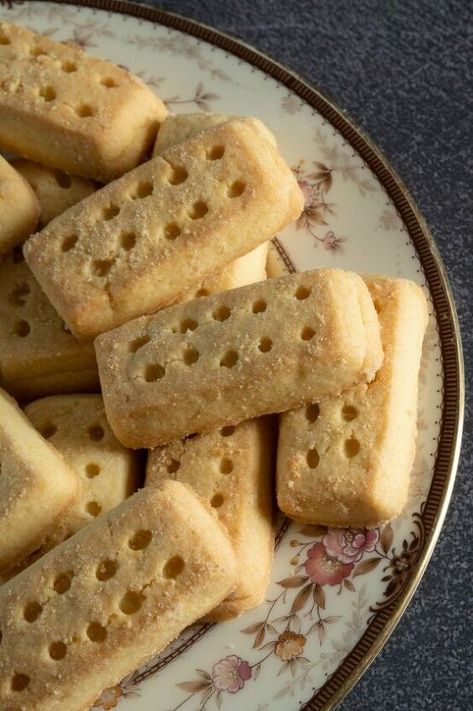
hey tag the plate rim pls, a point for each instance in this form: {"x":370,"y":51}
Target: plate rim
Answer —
{"x":385,"y":620}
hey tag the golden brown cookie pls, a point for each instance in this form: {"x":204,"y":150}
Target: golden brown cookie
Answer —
{"x":64,"y":109}
{"x":137,"y":244}
{"x":346,"y":461}
{"x":222,"y":359}
{"x":231,"y":469}
{"x":105,"y":601}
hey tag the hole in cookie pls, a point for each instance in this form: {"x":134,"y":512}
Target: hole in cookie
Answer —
{"x":143,"y":190}
{"x":110,"y":212}
{"x":69,"y":67}
{"x":265,"y":344}
{"x":101,"y":267}
{"x":187,"y":324}
{"x":259,"y":306}
{"x":17,"y":296}
{"x":173,"y":568}
{"x":312,"y":458}
{"x":19,"y":682}
{"x":179,"y":175}
{"x":62,"y":179}
{"x":222,"y":313}
{"x":229,"y":360}
{"x":173,"y":466}
{"x":106,"y":569}
{"x":216,"y":501}
{"x":131,"y":602}
{"x":202,"y":292}
{"x":127,"y":240}
{"x":198,"y":210}
{"x":139,"y":343}
{"x":302,"y":292}
{"x":227,"y":431}
{"x":22,"y":328}
{"x":96,"y":632}
{"x":191,"y":356}
{"x":92,"y":470}
{"x":48,"y":430}
{"x":352,"y":447}
{"x":140,"y":540}
{"x":153,"y":372}
{"x":57,"y":650}
{"x":37,"y":51}
{"x":172,"y":230}
{"x":236,"y":189}
{"x":312,"y":412}
{"x":349,"y":413}
{"x":69,"y":243}
{"x":62,"y":583}
{"x":84,"y":111}
{"x":17,"y":255}
{"x":93,"y":508}
{"x":96,"y":433}
{"x":307,"y":333}
{"x":109,"y":82}
{"x":48,"y":93}
{"x":216,"y":152}
{"x":4,"y":39}
{"x":226,"y":466}
{"x":32,"y":611}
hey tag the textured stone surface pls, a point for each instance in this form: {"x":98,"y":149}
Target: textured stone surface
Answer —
{"x":403,"y":70}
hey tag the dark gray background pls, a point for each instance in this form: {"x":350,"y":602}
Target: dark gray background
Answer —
{"x":403,"y":69}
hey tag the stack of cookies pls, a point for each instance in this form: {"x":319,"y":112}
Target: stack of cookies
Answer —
{"x":163,"y":379}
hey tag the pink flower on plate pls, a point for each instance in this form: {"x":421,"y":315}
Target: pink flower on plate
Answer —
{"x":230,"y":674}
{"x":347,"y":545}
{"x":307,"y":191}
{"x":323,"y":569}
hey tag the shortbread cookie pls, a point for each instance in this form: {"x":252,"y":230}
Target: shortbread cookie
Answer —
{"x":231,"y":468}
{"x":38,"y":355}
{"x":19,"y":208}
{"x":137,"y":244}
{"x":105,"y":601}
{"x":55,"y":190}
{"x":37,"y":487}
{"x":346,"y":461}
{"x":76,"y":425}
{"x":263,"y":348}
{"x":64,"y":109}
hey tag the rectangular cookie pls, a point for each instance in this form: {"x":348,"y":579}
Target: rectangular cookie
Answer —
{"x":231,"y":469}
{"x":112,"y":596}
{"x":222,"y":359}
{"x":137,"y":244}
{"x":37,"y":487}
{"x":19,"y":208}
{"x":109,"y":473}
{"x":346,"y":461}
{"x":38,"y":355}
{"x":56,"y":191}
{"x":64,"y":109}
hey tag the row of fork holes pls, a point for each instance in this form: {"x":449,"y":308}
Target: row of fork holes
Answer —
{"x":230,"y":358}
{"x":351,"y":445}
{"x":144,"y":189}
{"x":226,"y":466}
{"x":129,"y":604}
